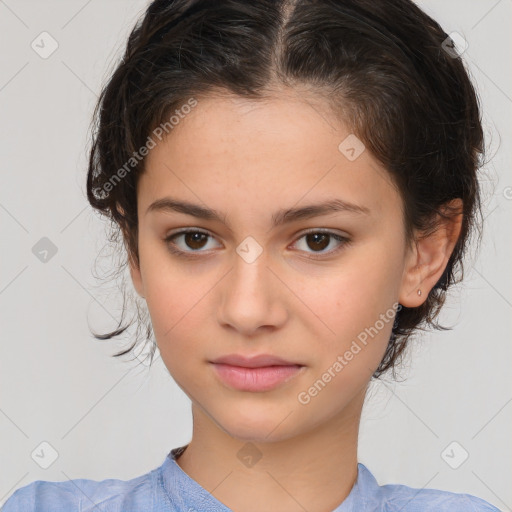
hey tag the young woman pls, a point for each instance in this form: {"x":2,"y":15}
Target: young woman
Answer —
{"x":295,"y":184}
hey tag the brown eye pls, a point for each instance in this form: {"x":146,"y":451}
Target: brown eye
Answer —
{"x":188,"y":242}
{"x":316,"y":243}
{"x":195,"y":240}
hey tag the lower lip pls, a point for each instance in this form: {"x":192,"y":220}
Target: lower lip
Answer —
{"x":255,"y":379}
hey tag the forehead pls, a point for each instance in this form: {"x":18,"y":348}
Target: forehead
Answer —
{"x":231,"y":152}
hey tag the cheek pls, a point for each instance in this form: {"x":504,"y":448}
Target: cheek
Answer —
{"x":176,"y":301}
{"x":172,"y":310}
{"x":359,"y":313}
{"x":171,"y":303}
{"x":169,"y":294}
{"x":357,"y":303}
{"x":354,"y":295}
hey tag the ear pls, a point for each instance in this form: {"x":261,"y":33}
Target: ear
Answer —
{"x":428,"y":257}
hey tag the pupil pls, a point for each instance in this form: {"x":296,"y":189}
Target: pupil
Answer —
{"x":193,"y":238}
{"x":319,"y":237}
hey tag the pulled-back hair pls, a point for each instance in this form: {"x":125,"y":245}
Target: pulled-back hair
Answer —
{"x":384,"y":67}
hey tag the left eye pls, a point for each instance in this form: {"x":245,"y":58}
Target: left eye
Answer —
{"x":196,"y":240}
{"x":319,"y":240}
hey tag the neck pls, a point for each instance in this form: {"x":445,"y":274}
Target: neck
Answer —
{"x":313,"y":471}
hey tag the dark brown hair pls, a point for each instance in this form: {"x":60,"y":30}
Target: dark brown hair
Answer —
{"x":383,"y":66}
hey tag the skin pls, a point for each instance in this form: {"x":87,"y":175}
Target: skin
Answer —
{"x":248,"y":159}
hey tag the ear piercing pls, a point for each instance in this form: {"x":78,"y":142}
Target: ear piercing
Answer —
{"x":419,"y":292}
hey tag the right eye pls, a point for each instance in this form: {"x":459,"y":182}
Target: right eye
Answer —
{"x":193,"y":239}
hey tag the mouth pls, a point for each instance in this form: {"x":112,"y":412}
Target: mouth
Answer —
{"x":256,"y":374}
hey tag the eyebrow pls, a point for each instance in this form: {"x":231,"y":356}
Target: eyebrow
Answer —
{"x":283,"y":216}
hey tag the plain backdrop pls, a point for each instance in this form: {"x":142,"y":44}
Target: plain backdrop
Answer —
{"x":103,"y":417}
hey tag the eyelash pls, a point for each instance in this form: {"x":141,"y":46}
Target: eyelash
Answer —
{"x":194,"y":254}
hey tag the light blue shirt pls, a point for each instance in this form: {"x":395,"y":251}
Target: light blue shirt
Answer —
{"x":168,"y":488}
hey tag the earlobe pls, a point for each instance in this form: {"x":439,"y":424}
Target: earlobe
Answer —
{"x":428,"y":259}
{"x":412,"y":292}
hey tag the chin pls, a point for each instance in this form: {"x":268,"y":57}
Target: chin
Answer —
{"x":254,"y":424}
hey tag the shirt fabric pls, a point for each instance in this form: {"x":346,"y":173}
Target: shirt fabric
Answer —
{"x":168,"y":488}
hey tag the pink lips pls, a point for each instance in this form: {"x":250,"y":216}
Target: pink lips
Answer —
{"x":258,"y":373}
{"x":258,"y":361}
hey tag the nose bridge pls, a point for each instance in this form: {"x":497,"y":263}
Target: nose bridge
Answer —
{"x":250,"y":276}
{"x":250,"y":295}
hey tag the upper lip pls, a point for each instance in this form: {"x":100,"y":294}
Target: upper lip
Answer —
{"x":257,"y":361}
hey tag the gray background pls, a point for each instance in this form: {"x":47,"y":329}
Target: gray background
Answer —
{"x":112,"y":419}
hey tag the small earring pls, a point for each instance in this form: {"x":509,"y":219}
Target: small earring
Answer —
{"x":419,"y":292}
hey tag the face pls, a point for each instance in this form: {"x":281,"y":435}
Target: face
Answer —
{"x":319,"y":291}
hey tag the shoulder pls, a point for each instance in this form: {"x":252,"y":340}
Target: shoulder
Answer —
{"x":411,"y":499}
{"x":85,"y":495}
{"x":393,"y":497}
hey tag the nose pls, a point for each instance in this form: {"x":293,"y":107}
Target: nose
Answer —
{"x":253,"y":298}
